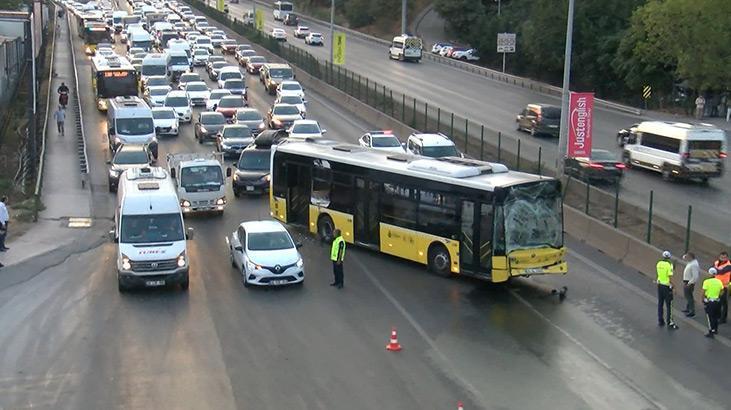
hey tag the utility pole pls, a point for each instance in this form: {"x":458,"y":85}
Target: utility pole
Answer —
{"x":403,"y":16}
{"x":563,"y":135}
{"x":332,"y":31}
{"x":498,"y":10}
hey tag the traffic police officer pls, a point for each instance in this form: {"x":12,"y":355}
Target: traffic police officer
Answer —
{"x":712,"y":288}
{"x":665,"y":290}
{"x":337,"y":254}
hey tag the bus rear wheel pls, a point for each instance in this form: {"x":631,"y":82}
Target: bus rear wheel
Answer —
{"x":439,"y":260}
{"x":325,"y":228}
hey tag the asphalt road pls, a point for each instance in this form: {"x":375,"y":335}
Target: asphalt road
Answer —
{"x":70,"y":340}
{"x":495,"y":104}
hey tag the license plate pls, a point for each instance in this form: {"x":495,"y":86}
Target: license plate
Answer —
{"x":155,"y":283}
{"x":249,"y":188}
{"x":278,"y":282}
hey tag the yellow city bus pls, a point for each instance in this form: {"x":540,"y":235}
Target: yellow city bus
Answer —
{"x":112,"y":77}
{"x":454,"y":215}
{"x":96,"y":33}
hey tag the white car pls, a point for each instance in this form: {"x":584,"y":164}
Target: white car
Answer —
{"x":295,"y":100}
{"x":215,"y":97}
{"x":198,"y":93}
{"x":290,"y":87}
{"x":165,"y":120}
{"x":217,"y":40}
{"x":155,"y":95}
{"x":382,"y":141}
{"x":265,"y":254}
{"x":301,"y":31}
{"x":203,"y":42}
{"x":302,"y":129}
{"x":279,"y":34}
{"x":178,"y":101}
{"x":200,"y":57}
{"x":314,"y":39}
{"x":466,"y":55}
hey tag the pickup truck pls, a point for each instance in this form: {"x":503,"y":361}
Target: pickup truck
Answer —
{"x":199,"y":181}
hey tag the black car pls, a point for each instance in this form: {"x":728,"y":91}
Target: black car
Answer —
{"x":291,"y":19}
{"x":540,"y":119}
{"x":602,"y":166}
{"x":233,"y":139}
{"x":127,"y":156}
{"x":209,"y":124}
{"x":252,"y":170}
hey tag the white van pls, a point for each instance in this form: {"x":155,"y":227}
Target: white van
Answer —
{"x":130,"y":121}
{"x":178,"y":61}
{"x":149,"y":231}
{"x":406,"y":48}
{"x":155,"y":64}
{"x":677,"y":150}
{"x":139,"y":38}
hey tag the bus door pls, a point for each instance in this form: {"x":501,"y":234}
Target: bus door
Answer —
{"x":366,"y":227}
{"x":476,"y":237}
{"x":299,"y":182}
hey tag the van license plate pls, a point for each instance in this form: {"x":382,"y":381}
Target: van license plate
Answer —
{"x":278,"y":282}
{"x":249,"y":188}
{"x":155,"y":283}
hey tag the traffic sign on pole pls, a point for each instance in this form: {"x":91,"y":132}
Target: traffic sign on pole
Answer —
{"x":646,"y":92}
{"x":339,"y":48}
{"x":505,"y":42}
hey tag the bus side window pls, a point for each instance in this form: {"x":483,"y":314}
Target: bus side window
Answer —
{"x":279,"y":178}
{"x":321,"y":182}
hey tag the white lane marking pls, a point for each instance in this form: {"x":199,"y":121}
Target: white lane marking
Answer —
{"x":477,"y":396}
{"x":678,"y":316}
{"x":623,"y":379}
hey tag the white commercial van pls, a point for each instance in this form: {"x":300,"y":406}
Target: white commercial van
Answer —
{"x":406,"y":48}
{"x":154,"y":64}
{"x":130,"y":121}
{"x":677,"y":150}
{"x":199,"y":181}
{"x":139,"y":38}
{"x":178,"y":61}
{"x":149,"y":231}
{"x":118,"y":20}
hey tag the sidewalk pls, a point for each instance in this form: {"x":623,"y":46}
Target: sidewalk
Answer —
{"x":62,"y":194}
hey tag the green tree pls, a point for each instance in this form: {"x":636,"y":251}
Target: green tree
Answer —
{"x":11,"y":4}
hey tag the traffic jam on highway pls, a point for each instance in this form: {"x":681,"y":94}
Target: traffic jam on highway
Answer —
{"x":420,"y":200}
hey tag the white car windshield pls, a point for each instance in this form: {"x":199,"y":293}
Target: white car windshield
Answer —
{"x":196,"y":87}
{"x":163,"y":114}
{"x":385,"y":142}
{"x":306,"y":129}
{"x":291,"y":87}
{"x":151,"y":228}
{"x":291,"y":99}
{"x":176,"y":101}
{"x":268,"y":241}
{"x":285,"y":110}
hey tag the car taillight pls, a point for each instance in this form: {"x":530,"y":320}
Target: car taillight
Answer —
{"x":595,"y":165}
{"x":722,"y":155}
{"x":620,"y":166}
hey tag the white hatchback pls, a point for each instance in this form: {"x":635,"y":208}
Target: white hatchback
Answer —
{"x":302,"y":129}
{"x":290,"y":87}
{"x":265,"y":254}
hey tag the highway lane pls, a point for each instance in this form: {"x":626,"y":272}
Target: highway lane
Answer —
{"x":495,"y":104}
{"x":70,"y":340}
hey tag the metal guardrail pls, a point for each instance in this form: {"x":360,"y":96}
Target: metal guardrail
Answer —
{"x":81,"y":138}
{"x":42,"y":156}
{"x":523,"y":82}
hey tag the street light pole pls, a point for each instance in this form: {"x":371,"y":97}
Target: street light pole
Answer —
{"x":403,"y":16}
{"x":498,"y":10}
{"x":332,"y":31}
{"x":564,"y":132}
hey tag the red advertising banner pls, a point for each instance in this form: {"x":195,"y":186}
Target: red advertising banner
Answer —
{"x":581,"y":106}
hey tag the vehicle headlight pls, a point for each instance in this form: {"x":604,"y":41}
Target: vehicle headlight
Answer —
{"x":203,"y":129}
{"x":114,"y":173}
{"x":117,"y":140}
{"x":300,"y":263}
{"x":103,"y":104}
{"x":126,"y":265}
{"x":181,"y":259}
{"x":251,"y":266}
{"x":154,"y":139}
{"x":88,"y":50}
{"x":267,"y":178}
{"x":185,"y":203}
{"x":221,"y":201}
{"x":236,"y":177}
{"x":276,"y":121}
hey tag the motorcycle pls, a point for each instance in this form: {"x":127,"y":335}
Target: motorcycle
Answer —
{"x":63,"y":99}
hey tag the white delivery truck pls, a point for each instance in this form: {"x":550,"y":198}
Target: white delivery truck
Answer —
{"x":178,"y":62}
{"x":199,"y":181}
{"x":130,"y":121}
{"x":149,"y":231}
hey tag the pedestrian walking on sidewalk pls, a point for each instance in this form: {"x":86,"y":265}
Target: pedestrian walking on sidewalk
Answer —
{"x":690,"y":278}
{"x":665,"y":291}
{"x":337,"y":255}
{"x":700,"y":105}
{"x":60,"y":116}
{"x":723,"y":273}
{"x":4,"y":222}
{"x":712,"y":288}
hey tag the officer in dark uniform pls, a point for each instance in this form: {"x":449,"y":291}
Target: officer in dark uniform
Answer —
{"x":337,"y":255}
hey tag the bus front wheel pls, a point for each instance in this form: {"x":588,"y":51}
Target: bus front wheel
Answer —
{"x":325,"y":228}
{"x":439,"y":260}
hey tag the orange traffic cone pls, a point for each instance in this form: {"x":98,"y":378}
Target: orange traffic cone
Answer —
{"x":460,"y":406}
{"x":393,"y":344}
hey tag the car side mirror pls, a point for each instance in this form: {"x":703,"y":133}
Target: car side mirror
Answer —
{"x":109,"y":161}
{"x":189,"y":233}
{"x":239,"y":248}
{"x":298,"y":245}
{"x":323,"y":131}
{"x":228,"y":172}
{"x":112,"y":236}
{"x":518,"y":117}
{"x":403,"y":145}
